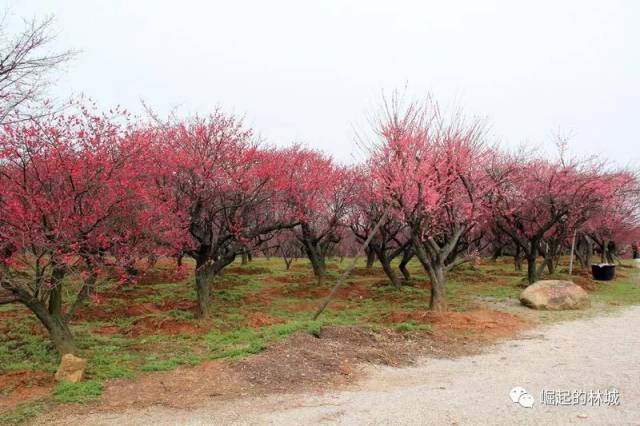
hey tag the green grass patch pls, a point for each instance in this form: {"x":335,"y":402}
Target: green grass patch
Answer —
{"x":77,"y":392}
{"x":22,"y":413}
{"x":163,"y":365}
{"x":621,"y":291}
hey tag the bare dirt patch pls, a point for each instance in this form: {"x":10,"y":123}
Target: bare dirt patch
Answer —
{"x":289,"y":279}
{"x":109,"y":330}
{"x":469,"y":278}
{"x":250,"y":270}
{"x":301,"y":362}
{"x":511,"y":273}
{"x":364,"y":272}
{"x":17,"y":387}
{"x":184,"y":387}
{"x":98,"y":313}
{"x":478,"y":324}
{"x":307,"y":290}
{"x":260,"y":319}
{"x":142,"y":309}
{"x":354,"y":290}
{"x":587,"y":283}
{"x":300,"y":267}
{"x":304,"y":361}
{"x":167,"y":326}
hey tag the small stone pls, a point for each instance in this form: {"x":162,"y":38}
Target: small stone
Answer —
{"x":71,"y":368}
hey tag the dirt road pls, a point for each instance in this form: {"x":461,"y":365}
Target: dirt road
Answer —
{"x":588,"y":354}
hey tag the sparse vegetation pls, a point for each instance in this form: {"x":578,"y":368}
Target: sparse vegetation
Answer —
{"x":142,"y":330}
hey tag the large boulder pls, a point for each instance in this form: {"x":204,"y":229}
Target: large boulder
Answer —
{"x":71,"y":368}
{"x":555,"y":295}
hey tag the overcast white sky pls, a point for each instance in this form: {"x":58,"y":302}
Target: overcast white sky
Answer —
{"x":310,"y":72}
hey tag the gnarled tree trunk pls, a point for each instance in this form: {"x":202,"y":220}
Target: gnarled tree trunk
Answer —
{"x":204,"y":276}
{"x":532,"y":269}
{"x":406,"y":258}
{"x":438,"y":301}
{"x":388,"y":270}
{"x":371,"y":258}
{"x":517,"y":258}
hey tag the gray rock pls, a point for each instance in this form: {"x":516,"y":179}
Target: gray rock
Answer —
{"x":555,"y":295}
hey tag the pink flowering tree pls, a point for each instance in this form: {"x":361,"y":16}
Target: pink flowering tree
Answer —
{"x":538,"y":203}
{"x":614,"y":225}
{"x":73,"y":199}
{"x":430,"y":168}
{"x":228,"y":196}
{"x":392,"y":239}
{"x":319,"y":194}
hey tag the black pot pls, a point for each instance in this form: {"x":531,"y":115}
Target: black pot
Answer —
{"x":603,"y":272}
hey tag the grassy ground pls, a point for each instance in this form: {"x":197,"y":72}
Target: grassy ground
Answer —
{"x":150,"y":326}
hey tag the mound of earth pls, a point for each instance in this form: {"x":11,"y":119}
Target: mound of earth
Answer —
{"x":301,"y":362}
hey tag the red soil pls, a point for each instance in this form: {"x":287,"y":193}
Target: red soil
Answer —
{"x":477,"y":324}
{"x":259,"y":319}
{"x":239,"y":270}
{"x":18,"y":387}
{"x":170,"y":327}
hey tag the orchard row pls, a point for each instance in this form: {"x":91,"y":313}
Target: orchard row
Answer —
{"x":82,"y":192}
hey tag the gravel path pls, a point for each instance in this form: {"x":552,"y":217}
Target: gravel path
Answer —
{"x":590,"y":354}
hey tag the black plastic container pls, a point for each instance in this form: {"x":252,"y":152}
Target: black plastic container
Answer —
{"x":603,"y":271}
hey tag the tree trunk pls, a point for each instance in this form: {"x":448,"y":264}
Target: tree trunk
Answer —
{"x":318,"y":268}
{"x":55,"y":300}
{"x":203,"y":287}
{"x":61,"y":335}
{"x":438,"y":298}
{"x":589,"y":254}
{"x":55,"y":295}
{"x":611,"y":252}
{"x":317,"y":261}
{"x":288,"y":262}
{"x":603,"y":251}
{"x":132,"y":270}
{"x":57,"y":327}
{"x":314,"y":251}
{"x":391,"y":274}
{"x":552,"y":256}
{"x":551,"y":266}
{"x":497,"y":252}
{"x":436,"y":269}
{"x":580,"y":252}
{"x":371,"y":258}
{"x":407,"y":255}
{"x":517,"y":259}
{"x":406,"y":275}
{"x":532,"y":270}
{"x":244,"y":258}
